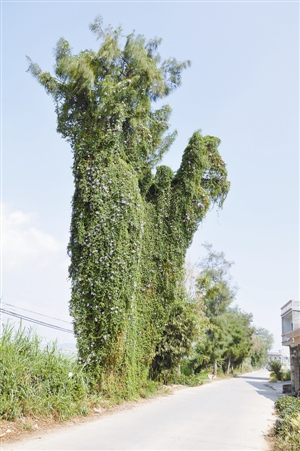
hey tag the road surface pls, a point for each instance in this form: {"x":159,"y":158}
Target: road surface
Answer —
{"x":233,"y":414}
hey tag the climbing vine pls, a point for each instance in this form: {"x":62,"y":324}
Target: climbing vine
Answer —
{"x":132,"y":220}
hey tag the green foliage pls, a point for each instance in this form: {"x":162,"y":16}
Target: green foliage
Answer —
{"x":213,"y":286}
{"x":262,"y":343}
{"x":275,"y":367}
{"x":286,"y":375}
{"x":132,"y":220}
{"x":287,"y":434}
{"x":239,"y":343}
{"x":213,"y":283}
{"x":288,"y":406}
{"x":149,"y":388}
{"x":36,"y":382}
{"x":183,"y":328}
{"x":277,"y":372}
{"x":228,"y":340}
{"x":193,"y":380}
{"x":266,"y":337}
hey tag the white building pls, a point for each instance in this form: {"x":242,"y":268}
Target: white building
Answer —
{"x":290,"y":320}
{"x":281,"y":357}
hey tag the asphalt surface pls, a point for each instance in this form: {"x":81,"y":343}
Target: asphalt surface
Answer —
{"x":225,"y":415}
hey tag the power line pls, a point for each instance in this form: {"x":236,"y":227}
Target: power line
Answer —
{"x":32,"y":320}
{"x":26,"y":299}
{"x":36,"y":313}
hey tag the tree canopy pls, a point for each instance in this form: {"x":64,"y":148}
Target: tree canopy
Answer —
{"x":229,"y":335}
{"x":263,"y":342}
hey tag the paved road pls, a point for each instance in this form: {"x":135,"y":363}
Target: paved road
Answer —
{"x":225,"y":415}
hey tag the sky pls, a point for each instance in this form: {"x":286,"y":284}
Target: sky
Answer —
{"x":243,"y":87}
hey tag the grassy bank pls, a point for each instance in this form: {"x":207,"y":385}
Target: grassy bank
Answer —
{"x":39,"y":382}
{"x":287,"y":430}
{"x":40,"y":386}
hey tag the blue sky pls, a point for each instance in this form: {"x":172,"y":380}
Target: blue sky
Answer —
{"x":243,"y":87}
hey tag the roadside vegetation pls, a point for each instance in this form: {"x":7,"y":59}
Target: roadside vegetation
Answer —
{"x":132,"y":218}
{"x":41,"y":385}
{"x":287,"y":429}
{"x":230,"y":343}
{"x":278,"y":372}
{"x":45,"y":383}
{"x":139,"y":324}
{"x":203,"y":339}
{"x":39,"y":382}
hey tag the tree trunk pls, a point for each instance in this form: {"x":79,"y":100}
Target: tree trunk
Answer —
{"x":178,"y":370}
{"x":215,"y":367}
{"x":229,"y":363}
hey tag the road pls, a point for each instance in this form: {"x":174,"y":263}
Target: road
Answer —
{"x":224,"y":415}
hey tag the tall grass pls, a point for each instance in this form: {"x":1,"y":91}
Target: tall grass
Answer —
{"x":39,"y":382}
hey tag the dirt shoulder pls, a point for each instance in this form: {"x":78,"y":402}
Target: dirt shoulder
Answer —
{"x":12,"y":431}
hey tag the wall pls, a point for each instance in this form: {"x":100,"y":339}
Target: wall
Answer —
{"x":295,"y":369}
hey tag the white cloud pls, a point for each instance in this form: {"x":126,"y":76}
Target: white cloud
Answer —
{"x":22,"y":241}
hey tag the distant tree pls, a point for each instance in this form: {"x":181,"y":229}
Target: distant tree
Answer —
{"x":266,"y":337}
{"x":186,"y":325}
{"x":262,"y":343}
{"x":215,"y":290}
{"x":230,"y":336}
{"x":240,"y":343}
{"x":213,"y":283}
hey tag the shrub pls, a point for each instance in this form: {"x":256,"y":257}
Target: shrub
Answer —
{"x":275,"y":367}
{"x":191,"y":381}
{"x":277,"y":373}
{"x":287,"y":432}
{"x":286,"y":375}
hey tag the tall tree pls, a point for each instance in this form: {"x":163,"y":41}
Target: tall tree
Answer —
{"x":214,"y":287}
{"x":186,"y":325}
{"x":130,"y":225}
{"x":263,"y":341}
{"x":240,"y":343}
{"x":230,"y":335}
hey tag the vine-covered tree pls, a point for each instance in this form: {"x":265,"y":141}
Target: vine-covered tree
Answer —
{"x":132,"y":220}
